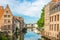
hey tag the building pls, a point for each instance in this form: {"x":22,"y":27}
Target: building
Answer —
{"x":8,"y":22}
{"x":18,"y":22}
{"x":21,"y":28}
{"x":52,"y":20}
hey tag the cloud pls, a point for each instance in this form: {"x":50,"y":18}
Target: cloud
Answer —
{"x":31,"y":1}
{"x":30,"y":8}
{"x":20,"y":1}
{"x":25,"y":8}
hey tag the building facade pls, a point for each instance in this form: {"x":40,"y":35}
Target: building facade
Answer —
{"x":8,"y":22}
{"x":18,"y":22}
{"x":52,"y":20}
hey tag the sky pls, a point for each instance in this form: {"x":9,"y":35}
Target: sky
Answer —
{"x":31,"y":36}
{"x":30,"y":10}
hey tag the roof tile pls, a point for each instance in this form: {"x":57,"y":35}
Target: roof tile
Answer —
{"x":1,"y":11}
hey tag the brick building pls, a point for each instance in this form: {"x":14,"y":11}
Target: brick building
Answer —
{"x":7,"y":21}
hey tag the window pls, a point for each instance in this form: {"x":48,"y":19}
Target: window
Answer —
{"x":8,"y":15}
{"x":50,"y":27}
{"x":6,"y":11}
{"x":57,"y":27}
{"x":5,"y":15}
{"x":57,"y":17}
{"x":8,"y":21}
{"x":54,"y":27}
{"x":8,"y":27}
{"x":58,"y":7}
{"x":57,"y":36}
{"x":52,"y":18}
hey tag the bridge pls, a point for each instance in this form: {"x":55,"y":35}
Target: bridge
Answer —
{"x":33,"y":27}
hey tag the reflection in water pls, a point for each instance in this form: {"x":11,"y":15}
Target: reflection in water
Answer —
{"x":14,"y":37}
{"x":31,"y":36}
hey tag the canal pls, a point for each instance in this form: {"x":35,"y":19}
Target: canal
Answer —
{"x":30,"y":35}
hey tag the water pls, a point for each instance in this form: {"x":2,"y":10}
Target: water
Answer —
{"x":30,"y":35}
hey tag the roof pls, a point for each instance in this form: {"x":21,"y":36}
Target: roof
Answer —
{"x":1,"y":11}
{"x":55,"y":0}
{"x":19,"y":18}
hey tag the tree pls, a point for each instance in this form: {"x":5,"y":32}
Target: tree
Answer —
{"x":40,"y":22}
{"x":3,"y":36}
{"x":24,"y":30}
{"x":39,"y":39}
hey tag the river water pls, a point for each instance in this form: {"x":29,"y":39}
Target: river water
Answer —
{"x":30,"y":35}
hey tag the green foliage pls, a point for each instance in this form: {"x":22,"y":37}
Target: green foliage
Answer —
{"x":24,"y":30}
{"x":40,"y":22}
{"x":39,"y":39}
{"x":3,"y":36}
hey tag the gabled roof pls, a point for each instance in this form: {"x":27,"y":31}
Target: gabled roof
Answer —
{"x":7,"y":7}
{"x":1,"y":11}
